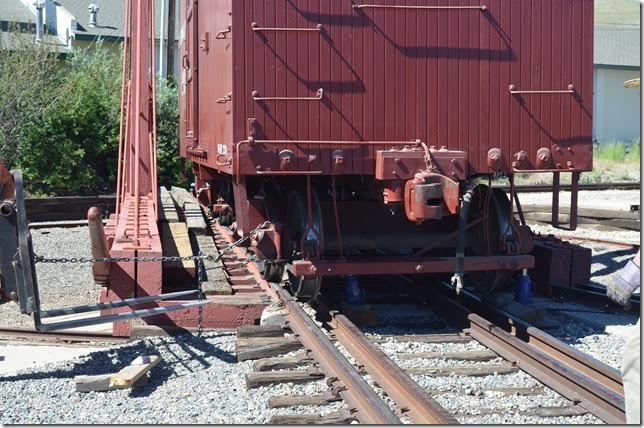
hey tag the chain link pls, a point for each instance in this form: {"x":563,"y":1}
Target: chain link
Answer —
{"x":199,"y":258}
{"x":200,"y":278}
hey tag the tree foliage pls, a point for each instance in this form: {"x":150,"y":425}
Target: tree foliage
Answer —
{"x":59,"y":120}
{"x":72,"y":147}
{"x":27,"y":74}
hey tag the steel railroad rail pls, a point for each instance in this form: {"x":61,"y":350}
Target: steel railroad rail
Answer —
{"x":593,"y":385}
{"x":365,"y":404}
{"x":581,"y":379}
{"x":59,"y":337}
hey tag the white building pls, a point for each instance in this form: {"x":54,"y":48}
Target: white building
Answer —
{"x":616,"y":113}
{"x":67,"y":24}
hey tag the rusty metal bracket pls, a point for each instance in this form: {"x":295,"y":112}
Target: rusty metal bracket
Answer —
{"x":255,"y":26}
{"x":514,"y":91}
{"x":225,"y":99}
{"x":222,"y":34}
{"x":318,"y":96}
{"x":382,"y":6}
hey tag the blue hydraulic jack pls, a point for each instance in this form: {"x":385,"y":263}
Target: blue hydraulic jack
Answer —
{"x":523,"y":289}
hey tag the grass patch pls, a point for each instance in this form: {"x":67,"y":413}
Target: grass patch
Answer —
{"x":615,"y":151}
{"x":634,"y":154}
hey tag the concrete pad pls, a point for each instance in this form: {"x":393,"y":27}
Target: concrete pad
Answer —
{"x":20,"y":357}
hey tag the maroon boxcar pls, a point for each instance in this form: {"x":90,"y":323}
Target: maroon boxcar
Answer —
{"x":365,"y":131}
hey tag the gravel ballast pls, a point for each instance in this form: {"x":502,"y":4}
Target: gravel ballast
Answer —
{"x":61,"y":284}
{"x":198,"y":382}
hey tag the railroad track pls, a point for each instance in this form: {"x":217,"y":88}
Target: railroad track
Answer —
{"x":62,"y":338}
{"x":587,"y":187}
{"x":67,"y":211}
{"x":376,"y":390}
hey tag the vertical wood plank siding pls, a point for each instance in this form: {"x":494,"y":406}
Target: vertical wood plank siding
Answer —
{"x":441,"y":76}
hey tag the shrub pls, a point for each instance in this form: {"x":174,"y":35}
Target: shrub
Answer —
{"x":71,"y":149}
{"x":171,"y":167}
{"x":29,"y":76}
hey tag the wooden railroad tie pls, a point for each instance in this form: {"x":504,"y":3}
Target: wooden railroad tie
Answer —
{"x":257,"y":379}
{"x":497,"y":369}
{"x":301,"y":400}
{"x":458,"y":355}
{"x":341,"y":418}
{"x":134,"y":375}
{"x":256,"y":342}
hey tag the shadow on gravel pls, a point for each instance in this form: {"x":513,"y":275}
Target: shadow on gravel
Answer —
{"x":179,"y":350}
{"x":609,"y":260}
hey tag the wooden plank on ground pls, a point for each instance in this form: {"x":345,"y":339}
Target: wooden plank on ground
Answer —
{"x":127,"y":377}
{"x":175,"y":241}
{"x":215,"y":279}
{"x":253,"y":349}
{"x":257,"y":379}
{"x":194,"y":219}
{"x":497,"y":369}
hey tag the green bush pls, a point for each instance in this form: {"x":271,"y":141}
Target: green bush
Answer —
{"x":28,"y":77}
{"x":171,"y":167}
{"x":71,"y":149}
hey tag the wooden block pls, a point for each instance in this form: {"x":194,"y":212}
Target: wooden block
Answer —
{"x":175,"y":242}
{"x":257,"y":379}
{"x":337,"y":418}
{"x":215,"y":279}
{"x":280,"y":363}
{"x":137,"y":368}
{"x":464,"y":370}
{"x":182,"y":196}
{"x":194,"y":219}
{"x":299,"y":400}
{"x":167,"y":209}
{"x":253,"y":349}
{"x":461,"y":355}
{"x":249,"y":331}
{"x":127,"y":377}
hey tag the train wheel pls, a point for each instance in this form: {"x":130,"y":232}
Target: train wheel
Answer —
{"x":303,"y":242}
{"x":493,"y":204}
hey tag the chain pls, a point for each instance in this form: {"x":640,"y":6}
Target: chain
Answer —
{"x":200,"y":274}
{"x":199,"y":258}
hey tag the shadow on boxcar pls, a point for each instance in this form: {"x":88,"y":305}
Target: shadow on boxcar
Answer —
{"x":329,"y":18}
{"x":353,"y":86}
{"x":506,"y":54}
{"x":558,"y":141}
